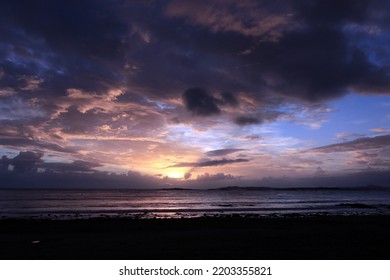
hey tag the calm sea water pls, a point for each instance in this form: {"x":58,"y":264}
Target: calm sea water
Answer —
{"x":190,"y":203}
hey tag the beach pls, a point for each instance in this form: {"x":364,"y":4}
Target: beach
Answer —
{"x":225,"y":237}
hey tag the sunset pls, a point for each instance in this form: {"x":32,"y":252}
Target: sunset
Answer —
{"x":192,"y":108}
{"x":239,"y":89}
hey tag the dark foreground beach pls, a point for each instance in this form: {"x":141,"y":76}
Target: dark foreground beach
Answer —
{"x":313,"y":237}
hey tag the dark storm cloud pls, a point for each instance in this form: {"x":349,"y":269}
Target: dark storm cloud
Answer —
{"x":298,"y":49}
{"x":222,"y":152}
{"x":90,"y":28}
{"x":314,"y":60}
{"x":210,"y":163}
{"x":200,"y":102}
{"x":315,"y":64}
{"x":356,"y":145}
{"x":89,"y":43}
{"x":67,"y":44}
{"x":322,"y":12}
{"x":328,"y":58}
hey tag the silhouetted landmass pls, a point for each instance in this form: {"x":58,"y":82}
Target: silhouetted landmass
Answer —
{"x":175,"y":189}
{"x":230,"y":188}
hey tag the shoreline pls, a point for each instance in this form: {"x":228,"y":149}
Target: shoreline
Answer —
{"x":230,"y":237}
{"x":340,"y":209}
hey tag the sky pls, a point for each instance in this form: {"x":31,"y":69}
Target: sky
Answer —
{"x":185,"y":93}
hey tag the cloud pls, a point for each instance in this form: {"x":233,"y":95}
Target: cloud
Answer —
{"x":75,"y":166}
{"x":32,"y":83}
{"x":210,"y":163}
{"x":246,"y":120}
{"x":379,"y":163}
{"x":31,"y":171}
{"x":229,"y":99}
{"x":366,"y":156}
{"x":26,"y":161}
{"x":222,"y":152}
{"x":73,"y":47}
{"x":344,"y":136}
{"x":247,"y":46}
{"x":4,"y":163}
{"x":282,"y":66}
{"x":29,"y":143}
{"x":380,"y":130}
{"x":267,"y":31}
{"x":248,"y":18}
{"x":29,"y":161}
{"x":14,"y":107}
{"x":303,"y":161}
{"x":82,"y":180}
{"x":370,"y":160}
{"x":200,"y":102}
{"x":187,"y":175}
{"x":356,"y":145}
{"x":266,"y":116}
{"x":69,"y":23}
{"x":288,"y":67}
{"x":215,"y":177}
{"x":252,"y":137}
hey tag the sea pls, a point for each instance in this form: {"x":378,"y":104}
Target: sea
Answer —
{"x":184,"y":203}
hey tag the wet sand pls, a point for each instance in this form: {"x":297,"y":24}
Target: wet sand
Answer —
{"x":304,"y":238}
